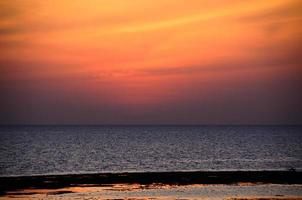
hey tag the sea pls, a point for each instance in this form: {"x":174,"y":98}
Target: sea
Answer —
{"x":45,"y":150}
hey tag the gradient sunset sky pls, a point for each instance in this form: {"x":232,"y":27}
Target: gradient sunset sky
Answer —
{"x":150,"y":62}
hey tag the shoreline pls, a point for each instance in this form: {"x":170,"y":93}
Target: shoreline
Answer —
{"x":13,"y":183}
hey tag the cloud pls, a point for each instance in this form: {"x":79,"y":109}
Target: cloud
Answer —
{"x":109,"y":24}
{"x":12,"y":44}
{"x":230,"y":11}
{"x":11,"y":30}
{"x":8,"y":10}
{"x":227,"y":66}
{"x":273,"y":20}
{"x":282,"y":12}
{"x":30,"y":70}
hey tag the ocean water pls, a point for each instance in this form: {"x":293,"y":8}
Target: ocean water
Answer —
{"x":32,"y":150}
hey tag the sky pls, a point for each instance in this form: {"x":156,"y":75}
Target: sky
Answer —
{"x":150,"y":62}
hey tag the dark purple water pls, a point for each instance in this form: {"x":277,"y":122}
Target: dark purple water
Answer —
{"x":29,"y":150}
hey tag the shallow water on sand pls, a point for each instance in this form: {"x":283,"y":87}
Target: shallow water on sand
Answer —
{"x":29,"y":150}
{"x":165,"y":192}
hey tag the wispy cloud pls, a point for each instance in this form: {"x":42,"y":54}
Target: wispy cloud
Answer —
{"x":151,"y":52}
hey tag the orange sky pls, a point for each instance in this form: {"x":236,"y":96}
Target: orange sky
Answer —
{"x":150,"y":61}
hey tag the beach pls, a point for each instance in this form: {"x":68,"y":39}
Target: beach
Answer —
{"x":157,"y":185}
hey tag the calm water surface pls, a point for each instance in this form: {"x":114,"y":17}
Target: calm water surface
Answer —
{"x":29,"y":150}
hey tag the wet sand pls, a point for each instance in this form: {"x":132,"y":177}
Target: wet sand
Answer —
{"x":156,"y":185}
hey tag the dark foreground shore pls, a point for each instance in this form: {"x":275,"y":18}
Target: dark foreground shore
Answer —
{"x":170,"y":178}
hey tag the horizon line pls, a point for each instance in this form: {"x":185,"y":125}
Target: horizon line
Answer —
{"x":151,"y":124}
